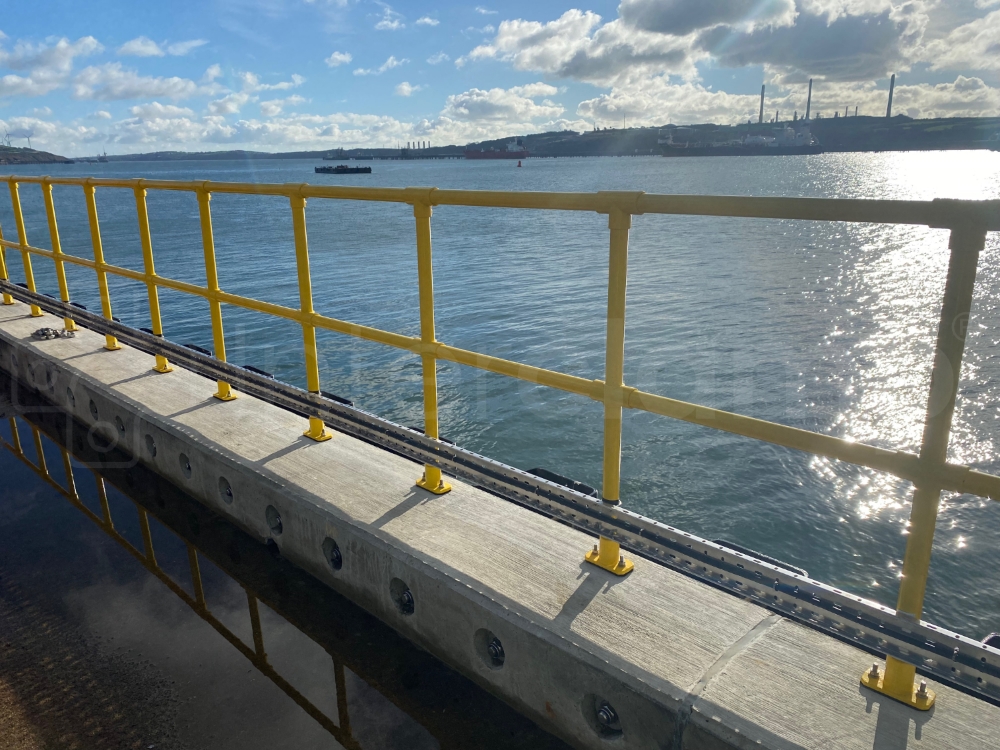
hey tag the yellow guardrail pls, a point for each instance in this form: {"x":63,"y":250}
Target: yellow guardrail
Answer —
{"x":969,"y":221}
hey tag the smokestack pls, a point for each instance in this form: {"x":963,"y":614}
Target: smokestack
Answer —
{"x":892,"y":85}
{"x":809,"y":98}
{"x":855,"y":110}
{"x":760,"y":117}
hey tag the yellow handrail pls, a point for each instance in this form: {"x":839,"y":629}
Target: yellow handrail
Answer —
{"x":929,"y":471}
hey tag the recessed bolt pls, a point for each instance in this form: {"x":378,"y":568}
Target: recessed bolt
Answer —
{"x":873,"y":674}
{"x":495,"y":650}
{"x":922,"y":690}
{"x":406,"y":601}
{"x":606,"y":715}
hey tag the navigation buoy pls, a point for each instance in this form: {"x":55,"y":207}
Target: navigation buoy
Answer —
{"x":518,"y":162}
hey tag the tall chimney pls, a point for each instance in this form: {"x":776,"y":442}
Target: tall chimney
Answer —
{"x":892,"y":85}
{"x":760,"y":117}
{"x":809,"y":98}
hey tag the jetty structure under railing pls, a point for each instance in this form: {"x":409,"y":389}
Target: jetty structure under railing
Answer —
{"x":908,"y":644}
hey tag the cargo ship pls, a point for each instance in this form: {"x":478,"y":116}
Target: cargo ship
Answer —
{"x":514,"y":150}
{"x":786,"y":141}
{"x":343,"y":169}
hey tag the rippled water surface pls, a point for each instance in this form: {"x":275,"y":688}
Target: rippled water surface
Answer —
{"x":824,"y":326}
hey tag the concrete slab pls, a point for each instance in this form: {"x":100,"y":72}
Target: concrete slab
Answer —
{"x":682,"y":663}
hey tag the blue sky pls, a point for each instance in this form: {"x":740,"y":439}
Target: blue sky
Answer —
{"x":81,"y":77}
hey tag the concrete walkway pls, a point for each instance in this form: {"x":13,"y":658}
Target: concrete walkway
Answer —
{"x":683,"y":664}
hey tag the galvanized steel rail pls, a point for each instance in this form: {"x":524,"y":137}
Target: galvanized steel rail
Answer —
{"x":969,"y":221}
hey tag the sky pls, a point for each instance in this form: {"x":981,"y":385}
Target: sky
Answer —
{"x":78,"y":77}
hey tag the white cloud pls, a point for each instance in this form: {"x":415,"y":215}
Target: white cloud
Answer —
{"x":179,"y":49}
{"x":213,"y":72}
{"x":251,"y":82}
{"x":389,"y":64}
{"x":141,"y":47}
{"x":111,"y":81}
{"x":391,"y":20}
{"x":230,"y":104}
{"x":656,"y":101}
{"x":851,"y":48}
{"x":274,"y":107}
{"x":101,"y":114}
{"x":965,"y":97}
{"x":338,"y":58}
{"x":427,"y":21}
{"x":407,"y":89}
{"x":155,"y":110}
{"x":48,"y":66}
{"x":486,"y":11}
{"x":578,"y":46}
{"x":972,"y":46}
{"x":41,"y":112}
{"x":681,"y":17}
{"x":504,"y":105}
{"x":440,"y":57}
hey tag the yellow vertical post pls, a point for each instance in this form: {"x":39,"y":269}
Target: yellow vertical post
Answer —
{"x":15,"y":436}
{"x":340,"y":681}
{"x":111,"y":343}
{"x":316,"y":429}
{"x":224,"y":392}
{"x":432,"y":479}
{"x":898,"y":679}
{"x":7,"y":299}
{"x":146,"y":241}
{"x":607,"y":552}
{"x":42,"y":466}
{"x":199,"y":590}
{"x":70,"y":479}
{"x":147,"y":536}
{"x":258,"y":634}
{"x":22,"y":239}
{"x":102,"y":494}
{"x":50,"y":214}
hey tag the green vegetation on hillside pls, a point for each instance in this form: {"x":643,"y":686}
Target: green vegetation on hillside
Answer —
{"x":12,"y":155}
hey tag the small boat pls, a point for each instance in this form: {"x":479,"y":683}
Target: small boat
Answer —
{"x":343,"y":169}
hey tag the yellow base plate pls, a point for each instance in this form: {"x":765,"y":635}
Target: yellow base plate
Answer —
{"x":164,"y":370}
{"x":441,"y":489}
{"x":619,"y":566}
{"x":919,"y":702}
{"x":230,"y":397}
{"x":324,"y":436}
{"x":114,"y":348}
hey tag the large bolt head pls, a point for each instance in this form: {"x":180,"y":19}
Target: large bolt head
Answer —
{"x":606,"y":715}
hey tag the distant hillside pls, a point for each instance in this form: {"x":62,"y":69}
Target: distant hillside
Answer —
{"x":900,"y":133}
{"x":11,"y":155}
